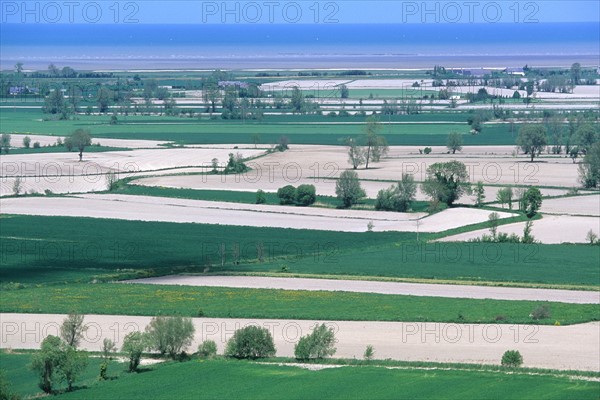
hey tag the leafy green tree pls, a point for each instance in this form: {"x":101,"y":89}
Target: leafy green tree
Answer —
{"x":72,"y":329}
{"x":297,"y":102}
{"x":369,"y":352}
{"x":446,"y":182}
{"x":504,"y":196}
{"x":512,"y":359}
{"x":317,"y":344}
{"x":575,"y":73}
{"x":532,"y":139}
{"x":532,"y":201}
{"x":207,"y":349}
{"x":250,"y":342}
{"x":46,"y":362}
{"x":493,"y":219}
{"x":286,"y":194}
{"x":586,"y":136}
{"x":261,"y":197}
{"x":235,"y":164}
{"x":104,"y":99}
{"x":108,"y":348}
{"x":79,"y":139}
{"x":344,"y":92}
{"x":5,"y":142}
{"x":589,"y":169}
{"x":399,"y":196}
{"x":134,"y":345}
{"x":454,"y":142}
{"x":26,"y":142}
{"x":356,"y":153}
{"x":72,"y":364}
{"x":170,"y":335}
{"x":306,"y":195}
{"x":348,"y":189}
{"x":479,"y":191}
{"x":376,"y":145}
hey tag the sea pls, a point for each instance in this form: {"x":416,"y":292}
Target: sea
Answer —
{"x":297,"y":46}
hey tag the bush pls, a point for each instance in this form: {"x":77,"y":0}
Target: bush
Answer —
{"x":170,"y":335}
{"x":318,"y":344}
{"x":133,"y":345}
{"x":250,"y":342}
{"x":541,"y":312}
{"x":26,"y":142}
{"x":427,"y":150}
{"x":398,"y":197}
{"x":512,"y":359}
{"x":306,"y":195}
{"x":286,"y":194}
{"x":369,"y":352}
{"x":207,"y":349}
{"x":36,"y":145}
{"x":261,"y":198}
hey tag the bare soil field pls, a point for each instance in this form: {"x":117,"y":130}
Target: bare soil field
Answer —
{"x":551,"y":229}
{"x":147,"y":208}
{"x":398,"y":288}
{"x":574,"y":347}
{"x":581,"y":205}
{"x":45,"y":140}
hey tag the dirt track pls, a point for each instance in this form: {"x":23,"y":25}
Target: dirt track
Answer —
{"x":574,"y":347}
{"x":398,"y":288}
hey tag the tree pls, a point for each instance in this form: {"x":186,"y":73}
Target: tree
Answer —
{"x":356,"y":153}
{"x":493,"y":219}
{"x":446,"y":182}
{"x":55,"y":103}
{"x":532,"y":201}
{"x":512,"y":359}
{"x":376,"y":146}
{"x":399,"y":196}
{"x":297,"y":101}
{"x":261,"y":198}
{"x":283,"y":143}
{"x":586,"y":136}
{"x":19,"y":68}
{"x":369,"y":352}
{"x":532,"y":139}
{"x":207,"y":349}
{"x":72,"y":364}
{"x":72,"y":329}
{"x":6,"y":392}
{"x":26,"y":142}
{"x":306,"y":195}
{"x":454,"y":142}
{"x":344,"y":92}
{"x":108,"y":348}
{"x":79,"y":139}
{"x":250,"y":342}
{"x":286,"y":194}
{"x":5,"y":142}
{"x":348,"y":189}
{"x":104,"y":99}
{"x":134,"y":345}
{"x":170,"y":335}
{"x":575,"y":73}
{"x":317,"y":344}
{"x":17,"y":186}
{"x":504,"y":196}
{"x":255,"y":139}
{"x":479,"y":194}
{"x":47,"y":361}
{"x":589,"y":169}
{"x":527,"y":236}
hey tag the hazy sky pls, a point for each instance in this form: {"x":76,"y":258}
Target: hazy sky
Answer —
{"x":298,"y":11}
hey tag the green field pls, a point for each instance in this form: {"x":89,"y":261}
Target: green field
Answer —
{"x":242,"y":380}
{"x":37,"y":249}
{"x":23,"y":381}
{"x":151,"y":300}
{"x":300,"y":129}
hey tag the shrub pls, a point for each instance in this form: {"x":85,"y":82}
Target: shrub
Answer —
{"x":541,"y":312}
{"x":250,"y":342}
{"x":235,"y":165}
{"x":369,"y":352}
{"x":207,"y":349}
{"x":286,"y":194}
{"x":318,"y":344}
{"x":170,"y":335}
{"x":306,"y":195}
{"x":512,"y":359}
{"x":261,"y":198}
{"x":427,"y":150}
{"x":36,"y":145}
{"x":26,"y":142}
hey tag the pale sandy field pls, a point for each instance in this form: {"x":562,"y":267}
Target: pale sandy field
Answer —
{"x":581,"y":205}
{"x":551,"y":229}
{"x":557,"y":347}
{"x":394,"y":288}
{"x":147,"y":208}
{"x":45,"y":140}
